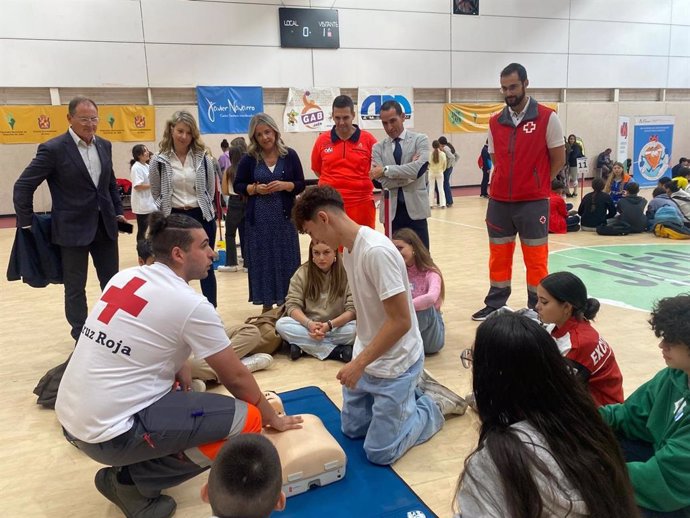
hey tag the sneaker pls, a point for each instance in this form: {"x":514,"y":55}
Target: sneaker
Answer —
{"x":295,"y":352}
{"x":128,"y":498}
{"x":447,"y":405}
{"x":447,"y":400}
{"x":198,"y":385}
{"x":257,"y":362}
{"x":483,"y":313}
{"x":228,"y":268}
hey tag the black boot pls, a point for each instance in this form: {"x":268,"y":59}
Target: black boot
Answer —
{"x":295,"y":352}
{"x":342,"y":353}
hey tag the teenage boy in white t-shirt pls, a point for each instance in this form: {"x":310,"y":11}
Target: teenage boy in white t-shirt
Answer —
{"x":116,"y":401}
{"x":381,"y":397}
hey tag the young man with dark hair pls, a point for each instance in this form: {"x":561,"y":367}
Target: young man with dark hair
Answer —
{"x":380,"y":402}
{"x":245,"y":479}
{"x":631,"y":207}
{"x":527,"y":151}
{"x":116,"y":401}
{"x":341,"y":158}
{"x":653,"y":424}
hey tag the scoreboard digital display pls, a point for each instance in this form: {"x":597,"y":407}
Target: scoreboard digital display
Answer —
{"x":309,"y":28}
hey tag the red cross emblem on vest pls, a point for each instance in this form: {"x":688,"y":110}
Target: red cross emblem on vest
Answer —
{"x":529,"y":127}
{"x":123,"y":298}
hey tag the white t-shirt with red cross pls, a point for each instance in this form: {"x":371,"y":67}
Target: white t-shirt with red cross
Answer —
{"x":137,"y":337}
{"x":376,"y":271}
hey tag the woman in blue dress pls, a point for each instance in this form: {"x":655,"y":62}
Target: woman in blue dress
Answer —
{"x":270,"y":175}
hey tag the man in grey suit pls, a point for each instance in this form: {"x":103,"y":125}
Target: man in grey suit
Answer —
{"x":399,"y":164}
{"x":86,"y":204}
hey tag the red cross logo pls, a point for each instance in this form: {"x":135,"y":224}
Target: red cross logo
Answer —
{"x":124,"y":299}
{"x":529,"y":127}
{"x":542,"y":220}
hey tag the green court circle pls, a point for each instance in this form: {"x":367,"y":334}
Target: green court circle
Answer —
{"x":633,"y":276}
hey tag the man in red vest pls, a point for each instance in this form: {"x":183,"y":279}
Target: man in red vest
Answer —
{"x":527,"y":149}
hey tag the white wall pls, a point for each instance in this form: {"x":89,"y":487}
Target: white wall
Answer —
{"x":419,"y":43}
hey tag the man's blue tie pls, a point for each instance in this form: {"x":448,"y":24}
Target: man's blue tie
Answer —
{"x":397,"y":151}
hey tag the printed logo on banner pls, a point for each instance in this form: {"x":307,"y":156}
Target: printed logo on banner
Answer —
{"x":371,"y":106}
{"x":43,"y":122}
{"x":312,"y":114}
{"x":652,"y":158}
{"x":140,"y":121}
{"x":226,"y":109}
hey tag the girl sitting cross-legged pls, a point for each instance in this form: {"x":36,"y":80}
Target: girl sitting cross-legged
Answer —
{"x":320,"y":313}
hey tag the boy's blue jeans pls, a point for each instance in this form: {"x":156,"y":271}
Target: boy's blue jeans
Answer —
{"x":390,"y":414}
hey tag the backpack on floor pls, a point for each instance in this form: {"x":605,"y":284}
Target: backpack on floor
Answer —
{"x":668,"y":214}
{"x":266,"y":322}
{"x":617,"y":228}
{"x":671,"y":230}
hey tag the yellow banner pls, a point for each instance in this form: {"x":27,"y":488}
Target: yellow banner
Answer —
{"x":472,"y":118}
{"x":36,"y":124}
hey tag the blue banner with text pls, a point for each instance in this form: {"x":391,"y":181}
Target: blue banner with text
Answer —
{"x":228,"y":109}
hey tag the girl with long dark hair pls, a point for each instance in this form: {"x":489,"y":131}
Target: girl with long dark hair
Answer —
{"x":544,"y":451}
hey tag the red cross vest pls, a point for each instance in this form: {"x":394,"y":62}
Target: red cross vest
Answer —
{"x":522,"y":166}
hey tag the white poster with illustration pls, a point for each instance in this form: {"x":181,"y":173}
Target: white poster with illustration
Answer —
{"x":309,"y":109}
{"x":370,"y":100}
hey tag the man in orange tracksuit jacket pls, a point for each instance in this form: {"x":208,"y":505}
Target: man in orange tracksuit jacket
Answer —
{"x":341,"y":158}
{"x":527,"y":150}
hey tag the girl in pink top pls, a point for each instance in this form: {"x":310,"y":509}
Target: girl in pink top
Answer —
{"x":427,"y":287}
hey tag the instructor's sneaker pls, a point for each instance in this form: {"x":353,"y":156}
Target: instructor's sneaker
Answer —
{"x":257,"y":362}
{"x":128,"y":498}
{"x":483,"y":313}
{"x":198,"y":385}
{"x":448,"y":401}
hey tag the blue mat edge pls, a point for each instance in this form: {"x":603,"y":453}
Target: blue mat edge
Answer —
{"x":285,"y":397}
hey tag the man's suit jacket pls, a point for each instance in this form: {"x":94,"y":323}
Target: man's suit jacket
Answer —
{"x":406,"y":176}
{"x":76,"y":200}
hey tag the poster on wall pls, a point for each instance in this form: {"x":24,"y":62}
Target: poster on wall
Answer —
{"x":309,"y":109}
{"x":228,"y":109}
{"x":652,"y":146}
{"x":37,"y":124}
{"x":473,"y":118}
{"x":371,"y":99}
{"x":622,"y":139}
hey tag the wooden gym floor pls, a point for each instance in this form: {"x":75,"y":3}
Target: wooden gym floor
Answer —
{"x":41,"y":475}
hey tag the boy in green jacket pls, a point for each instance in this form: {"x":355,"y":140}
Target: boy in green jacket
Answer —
{"x":653,"y":424}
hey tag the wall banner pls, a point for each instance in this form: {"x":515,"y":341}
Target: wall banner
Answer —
{"x":473,"y":118}
{"x":652,"y":145}
{"x":309,"y":109}
{"x":127,"y":123}
{"x":622,"y":139}
{"x":228,"y":109}
{"x":37,"y":124}
{"x":371,"y":99}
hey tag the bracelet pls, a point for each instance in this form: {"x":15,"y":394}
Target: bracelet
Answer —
{"x":330,"y":325}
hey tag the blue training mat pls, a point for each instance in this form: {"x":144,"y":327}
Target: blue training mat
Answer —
{"x":366,"y":491}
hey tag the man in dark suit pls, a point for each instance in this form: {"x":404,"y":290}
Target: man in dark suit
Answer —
{"x":86,"y":204}
{"x":400,"y":163}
